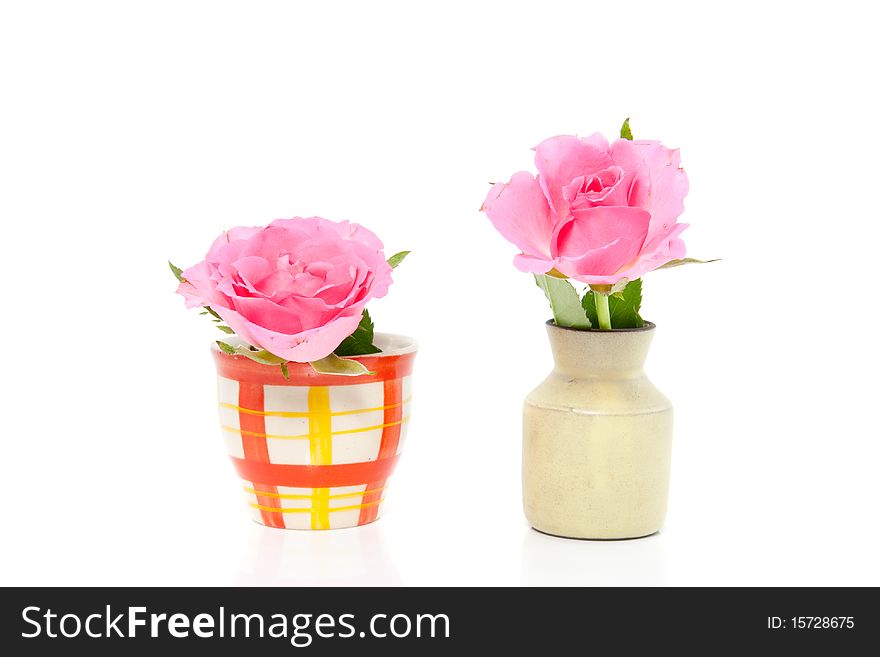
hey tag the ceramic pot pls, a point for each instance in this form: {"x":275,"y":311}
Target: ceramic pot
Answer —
{"x":597,"y":438}
{"x":315,"y":451}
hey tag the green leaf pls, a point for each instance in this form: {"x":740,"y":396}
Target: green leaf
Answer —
{"x":226,"y":348}
{"x":177,"y":271}
{"x":625,"y":132}
{"x":686,"y":261}
{"x":259,"y":355}
{"x":397,"y":258}
{"x":333,"y":364}
{"x":211,"y":311}
{"x":624,"y":307}
{"x":359,"y":343}
{"x":564,"y":302}
{"x":225,"y":329}
{"x":262,"y":356}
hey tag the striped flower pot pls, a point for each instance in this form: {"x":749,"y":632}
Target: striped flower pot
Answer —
{"x":315,"y":451}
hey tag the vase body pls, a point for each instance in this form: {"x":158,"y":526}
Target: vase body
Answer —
{"x":315,"y":451}
{"x":597,"y":438}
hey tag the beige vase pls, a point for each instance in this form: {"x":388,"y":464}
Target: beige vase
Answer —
{"x":597,"y":438}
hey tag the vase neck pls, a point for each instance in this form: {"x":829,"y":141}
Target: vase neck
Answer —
{"x":613,"y":354}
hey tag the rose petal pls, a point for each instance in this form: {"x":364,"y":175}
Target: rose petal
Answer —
{"x":237,"y":234}
{"x":562,"y":159}
{"x":198,"y":287}
{"x":253,"y":269}
{"x":303,"y":347}
{"x":661,"y":250}
{"x":600,"y":241}
{"x":272,"y":316}
{"x":660,"y":184}
{"x":533,"y":265}
{"x":519,"y":211}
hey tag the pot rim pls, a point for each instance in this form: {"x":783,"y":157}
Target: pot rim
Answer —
{"x":649,"y":326}
{"x":398,"y":345}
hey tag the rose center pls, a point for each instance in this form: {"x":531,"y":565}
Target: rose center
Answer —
{"x":592,"y":184}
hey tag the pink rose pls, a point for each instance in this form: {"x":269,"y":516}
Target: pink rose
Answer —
{"x":596,"y":213}
{"x":295,"y":288}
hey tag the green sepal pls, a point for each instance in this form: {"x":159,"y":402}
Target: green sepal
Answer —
{"x":333,"y":364}
{"x":686,"y":261}
{"x":258,"y":355}
{"x":177,"y":271}
{"x":397,"y":258}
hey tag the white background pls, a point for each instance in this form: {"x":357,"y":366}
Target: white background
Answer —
{"x":136,"y":132}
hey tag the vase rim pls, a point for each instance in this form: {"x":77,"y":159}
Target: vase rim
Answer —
{"x":649,"y":326}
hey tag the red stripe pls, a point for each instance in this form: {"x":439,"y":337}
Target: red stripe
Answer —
{"x":242,"y":368}
{"x":250,"y":395}
{"x":314,"y":476}
{"x":387,"y":448}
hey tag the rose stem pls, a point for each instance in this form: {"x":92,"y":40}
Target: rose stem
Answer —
{"x":602,"y":311}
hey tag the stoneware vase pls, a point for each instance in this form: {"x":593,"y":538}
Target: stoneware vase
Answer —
{"x":315,"y":451}
{"x":597,"y":437}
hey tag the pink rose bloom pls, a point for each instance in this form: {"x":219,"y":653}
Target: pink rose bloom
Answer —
{"x":295,"y":288}
{"x":596,"y":213}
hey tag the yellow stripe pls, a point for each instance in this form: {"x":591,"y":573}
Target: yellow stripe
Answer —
{"x":310,"y":435}
{"x":321,"y":450}
{"x":291,"y":496}
{"x":315,"y":512}
{"x":250,"y":411}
